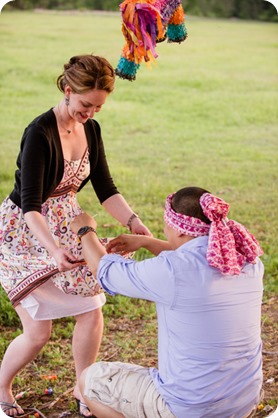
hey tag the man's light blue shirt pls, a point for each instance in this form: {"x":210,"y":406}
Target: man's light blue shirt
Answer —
{"x":209,"y":344}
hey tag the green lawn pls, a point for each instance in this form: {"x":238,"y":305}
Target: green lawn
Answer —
{"x":204,"y":115}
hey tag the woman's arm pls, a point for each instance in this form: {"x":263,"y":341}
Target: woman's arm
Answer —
{"x":117,"y":206}
{"x":39,"y":228}
{"x":105,"y":188}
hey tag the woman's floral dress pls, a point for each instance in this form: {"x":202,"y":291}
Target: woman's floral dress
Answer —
{"x":26,"y":266}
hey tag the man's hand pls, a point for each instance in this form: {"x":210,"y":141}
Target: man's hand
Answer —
{"x":84,"y":219}
{"x":125,"y":243}
{"x":129,"y":243}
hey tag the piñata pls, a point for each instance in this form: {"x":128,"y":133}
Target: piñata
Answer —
{"x":144,"y":24}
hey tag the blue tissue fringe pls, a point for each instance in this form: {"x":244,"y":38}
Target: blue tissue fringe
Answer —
{"x":126,"y":69}
{"x":176,"y":33}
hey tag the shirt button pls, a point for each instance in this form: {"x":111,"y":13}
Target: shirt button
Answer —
{"x":124,"y":400}
{"x":109,"y":380}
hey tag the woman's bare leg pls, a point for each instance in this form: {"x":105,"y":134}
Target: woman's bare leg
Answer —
{"x":21,"y":351}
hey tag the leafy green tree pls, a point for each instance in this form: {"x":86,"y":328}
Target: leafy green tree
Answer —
{"x":242,"y":9}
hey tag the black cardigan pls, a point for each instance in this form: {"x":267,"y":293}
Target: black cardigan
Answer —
{"x":41,"y":163}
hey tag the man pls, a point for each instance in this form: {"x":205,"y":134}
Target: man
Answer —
{"x":206,"y":281}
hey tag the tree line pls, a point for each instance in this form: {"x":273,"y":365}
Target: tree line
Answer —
{"x":242,"y":9}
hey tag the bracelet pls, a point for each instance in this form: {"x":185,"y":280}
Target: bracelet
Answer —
{"x":129,"y":222}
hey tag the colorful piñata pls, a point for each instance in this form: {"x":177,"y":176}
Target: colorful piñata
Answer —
{"x":145,"y":23}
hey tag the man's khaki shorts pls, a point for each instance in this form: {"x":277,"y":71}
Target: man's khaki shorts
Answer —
{"x":126,"y":388}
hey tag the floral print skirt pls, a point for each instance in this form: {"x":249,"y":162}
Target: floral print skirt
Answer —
{"x":25,"y":265}
{"x":27,"y":268}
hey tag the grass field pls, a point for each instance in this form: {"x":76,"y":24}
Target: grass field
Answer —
{"x":204,"y":115}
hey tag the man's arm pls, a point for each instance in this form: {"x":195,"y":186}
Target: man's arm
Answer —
{"x":92,"y":249}
{"x":128,"y":243}
{"x":117,"y":275}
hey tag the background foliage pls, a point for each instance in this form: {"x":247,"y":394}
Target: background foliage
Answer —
{"x":243,"y":9}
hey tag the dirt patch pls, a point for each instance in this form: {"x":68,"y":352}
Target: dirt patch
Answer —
{"x":270,"y":357}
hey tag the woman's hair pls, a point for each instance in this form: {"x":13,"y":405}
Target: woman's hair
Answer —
{"x":187,"y":202}
{"x":87,"y":72}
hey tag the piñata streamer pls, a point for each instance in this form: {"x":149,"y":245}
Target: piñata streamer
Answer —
{"x":144,"y":24}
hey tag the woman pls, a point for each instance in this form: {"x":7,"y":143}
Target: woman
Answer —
{"x":41,"y":268}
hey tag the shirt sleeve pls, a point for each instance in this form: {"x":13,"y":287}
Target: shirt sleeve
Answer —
{"x":150,"y":279}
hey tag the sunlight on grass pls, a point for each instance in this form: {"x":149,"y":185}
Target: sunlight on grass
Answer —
{"x":204,"y":115}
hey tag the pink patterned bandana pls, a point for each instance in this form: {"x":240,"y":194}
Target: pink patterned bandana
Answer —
{"x":230,"y":243}
{"x":187,"y":225}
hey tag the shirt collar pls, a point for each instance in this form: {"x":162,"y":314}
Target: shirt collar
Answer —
{"x":194,"y":243}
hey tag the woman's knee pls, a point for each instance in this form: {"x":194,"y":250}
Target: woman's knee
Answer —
{"x":38,"y":332}
{"x":91,"y":319}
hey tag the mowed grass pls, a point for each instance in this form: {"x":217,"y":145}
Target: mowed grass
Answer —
{"x":205,"y":114}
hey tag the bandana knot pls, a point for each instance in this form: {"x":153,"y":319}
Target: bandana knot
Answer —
{"x":214,"y":208}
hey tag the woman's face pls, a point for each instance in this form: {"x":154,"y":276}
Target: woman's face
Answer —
{"x":83,"y":106}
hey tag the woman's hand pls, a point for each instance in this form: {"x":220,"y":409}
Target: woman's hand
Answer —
{"x":125,"y":243}
{"x":137,"y":227}
{"x":65,"y":260}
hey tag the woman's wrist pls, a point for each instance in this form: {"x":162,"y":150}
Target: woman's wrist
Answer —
{"x":131,"y":220}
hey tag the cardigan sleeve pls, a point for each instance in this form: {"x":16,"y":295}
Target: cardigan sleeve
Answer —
{"x":40,"y":164}
{"x":32,"y":174}
{"x":34,"y":155}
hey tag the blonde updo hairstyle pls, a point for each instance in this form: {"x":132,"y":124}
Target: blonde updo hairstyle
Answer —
{"x":87,"y":72}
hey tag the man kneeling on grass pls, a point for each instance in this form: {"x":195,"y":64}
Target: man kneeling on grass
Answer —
{"x":206,"y":281}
